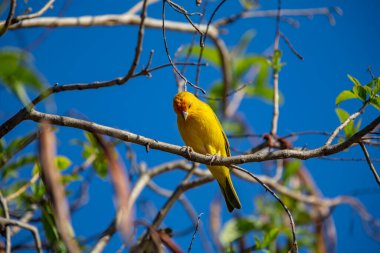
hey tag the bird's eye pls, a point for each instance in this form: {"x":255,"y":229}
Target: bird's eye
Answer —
{"x":189,"y":106}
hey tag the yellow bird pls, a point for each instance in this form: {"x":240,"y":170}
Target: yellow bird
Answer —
{"x":201,"y":130}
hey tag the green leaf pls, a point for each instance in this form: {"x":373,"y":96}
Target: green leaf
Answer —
{"x":344,"y":95}
{"x":360,"y":92}
{"x":376,"y":87}
{"x":215,"y":92}
{"x":7,"y":151}
{"x":291,"y":168}
{"x":67,"y":179}
{"x":62,"y":162}
{"x":100,"y":162}
{"x":210,"y":54}
{"x":50,"y":229}
{"x":10,"y":170}
{"x":242,"y":65}
{"x":241,"y":47}
{"x":354,"y":80}
{"x":233,"y":127}
{"x":238,"y":227}
{"x":276,"y":61}
{"x":17,"y":73}
{"x":270,"y":237}
{"x":375,"y":101}
{"x":349,"y":130}
{"x":248,"y":4}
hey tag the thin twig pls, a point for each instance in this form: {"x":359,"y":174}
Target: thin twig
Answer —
{"x":37,"y":14}
{"x":168,"y":53}
{"x":287,"y":41}
{"x":195,"y":232}
{"x":204,"y":37}
{"x":11,"y":13}
{"x":25,"y":141}
{"x":23,"y":188}
{"x":8,"y":242}
{"x":138,"y":48}
{"x":345,"y":123}
{"x":291,"y":220}
{"x":187,"y":15}
{"x":137,"y":7}
{"x":285,"y":12}
{"x":16,"y":119}
{"x":370,"y":164}
{"x":32,"y":229}
{"x":276,"y":96}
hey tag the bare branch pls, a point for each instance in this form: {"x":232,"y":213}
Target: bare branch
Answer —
{"x":56,"y":191}
{"x":285,"y":12}
{"x":7,"y":126}
{"x":32,"y":229}
{"x":195,"y":232}
{"x":5,"y":25}
{"x":8,"y":242}
{"x":140,"y":37}
{"x":23,"y":188}
{"x":121,"y":186}
{"x":37,"y":14}
{"x":291,"y":220}
{"x":370,"y":164}
{"x":276,"y":96}
{"x":345,"y":123}
{"x":136,"y":8}
{"x":109,"y":20}
{"x":164,"y":26}
{"x":197,"y":157}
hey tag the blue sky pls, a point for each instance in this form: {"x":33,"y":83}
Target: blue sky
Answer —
{"x":144,"y":106}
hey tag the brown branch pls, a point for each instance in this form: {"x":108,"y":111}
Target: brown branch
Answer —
{"x":8,"y":242}
{"x":285,"y":12}
{"x":182,"y":187}
{"x":197,"y":157}
{"x":21,"y":145}
{"x":37,"y":14}
{"x":291,"y":220}
{"x":6,"y":24}
{"x":370,"y":164}
{"x":121,"y":186}
{"x":176,"y":70}
{"x":56,"y":191}
{"x":276,"y":96}
{"x":32,"y":229}
{"x":188,"y":208}
{"x":140,"y":37}
{"x":137,"y":7}
{"x":23,"y":188}
{"x":16,"y":119}
{"x":108,"y":20}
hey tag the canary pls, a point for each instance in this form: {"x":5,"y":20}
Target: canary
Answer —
{"x":201,"y":130}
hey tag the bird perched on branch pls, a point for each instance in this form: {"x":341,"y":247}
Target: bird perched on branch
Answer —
{"x":201,"y":130}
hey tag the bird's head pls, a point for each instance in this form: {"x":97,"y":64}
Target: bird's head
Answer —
{"x":182,"y":104}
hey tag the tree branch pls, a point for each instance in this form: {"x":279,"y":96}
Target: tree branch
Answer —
{"x":370,"y":164}
{"x":197,"y":157}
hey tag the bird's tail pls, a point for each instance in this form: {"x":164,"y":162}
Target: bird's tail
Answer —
{"x":222,"y":175}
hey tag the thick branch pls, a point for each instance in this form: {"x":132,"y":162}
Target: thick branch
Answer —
{"x":108,"y":20}
{"x":197,"y":157}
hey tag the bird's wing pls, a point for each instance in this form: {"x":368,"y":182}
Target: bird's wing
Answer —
{"x":226,"y":144}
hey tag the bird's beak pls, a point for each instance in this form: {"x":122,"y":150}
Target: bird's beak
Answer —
{"x":184,"y":115}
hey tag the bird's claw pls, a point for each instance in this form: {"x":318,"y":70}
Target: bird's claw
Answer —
{"x":213,"y":158}
{"x":188,"y":150}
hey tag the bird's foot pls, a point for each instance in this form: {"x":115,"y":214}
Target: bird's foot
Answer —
{"x":188,"y":150}
{"x":213,"y":158}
